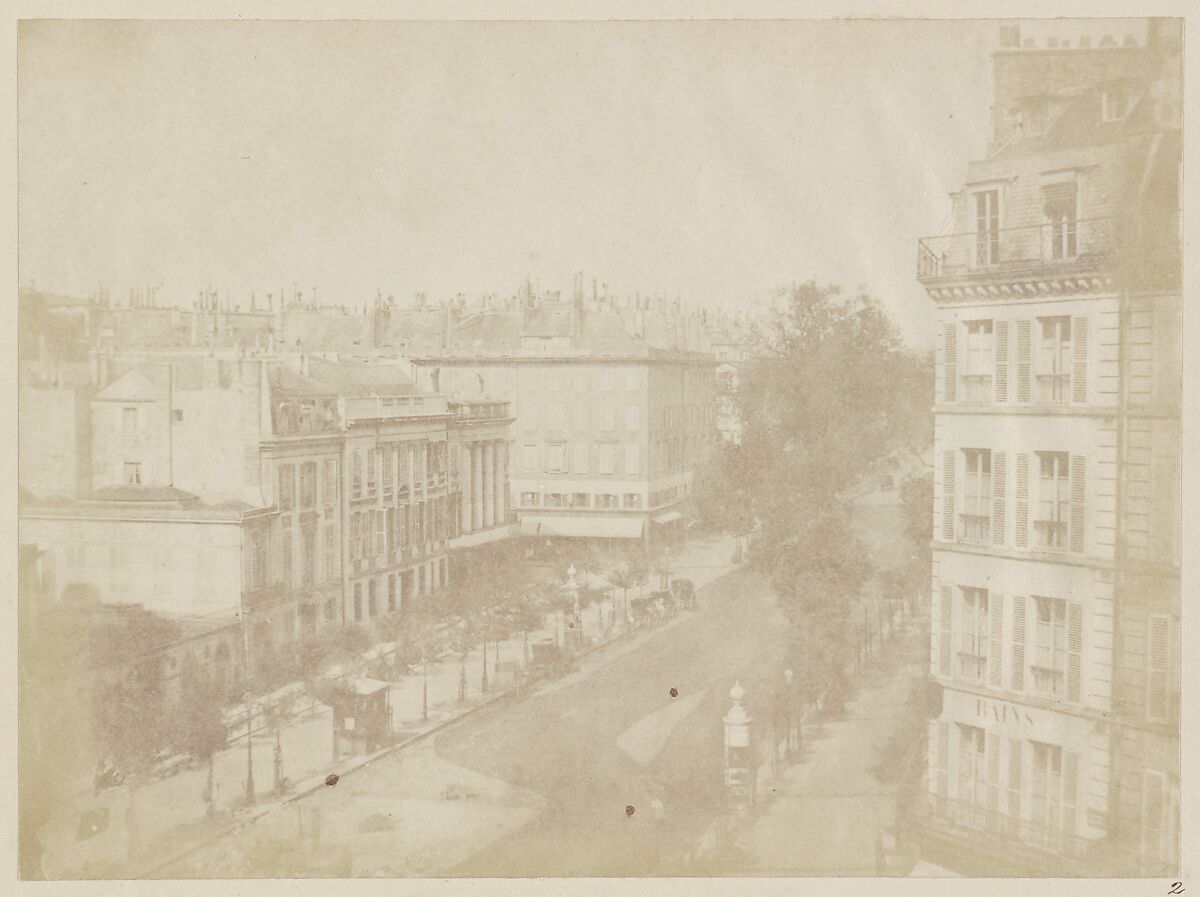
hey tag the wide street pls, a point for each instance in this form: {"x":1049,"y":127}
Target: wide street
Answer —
{"x":562,"y":780}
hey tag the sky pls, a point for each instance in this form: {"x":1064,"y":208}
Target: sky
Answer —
{"x":716,"y":161}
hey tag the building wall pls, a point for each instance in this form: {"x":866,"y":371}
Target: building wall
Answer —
{"x":170,"y":566}
{"x":54,"y":435}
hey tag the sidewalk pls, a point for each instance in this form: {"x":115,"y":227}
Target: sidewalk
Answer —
{"x":170,"y":813}
{"x":829,"y":814}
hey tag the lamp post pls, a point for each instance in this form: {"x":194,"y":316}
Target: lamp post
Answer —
{"x":793,"y":713}
{"x":572,"y":588}
{"x":740,"y":768}
{"x":249,"y":752}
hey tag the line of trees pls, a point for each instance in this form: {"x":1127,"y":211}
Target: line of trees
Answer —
{"x":828,"y":391}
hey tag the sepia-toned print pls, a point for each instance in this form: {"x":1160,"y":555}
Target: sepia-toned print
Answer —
{"x":599,"y":449}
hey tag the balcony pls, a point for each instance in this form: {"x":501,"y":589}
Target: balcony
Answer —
{"x":976,"y":528}
{"x":480,"y":411}
{"x":982,"y":841}
{"x":1066,"y":256}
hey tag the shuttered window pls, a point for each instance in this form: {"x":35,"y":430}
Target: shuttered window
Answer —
{"x":946,"y":630}
{"x":1014,"y":787}
{"x":996,"y":655}
{"x":1078,"y":501}
{"x":950,"y":362}
{"x":939,"y":756}
{"x":973,"y":635}
{"x":948,"y":496}
{"x":999,"y":496}
{"x":1001,"y":361}
{"x":994,"y":741}
{"x":1024,"y":338}
{"x":1155,"y":851}
{"x":1018,"y":644}
{"x":1074,"y":652}
{"x":1079,"y":340}
{"x":1158,"y":669}
{"x":1022,"y":520}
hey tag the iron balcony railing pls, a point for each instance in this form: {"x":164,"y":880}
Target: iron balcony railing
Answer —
{"x":987,"y":830}
{"x":1143,"y":247}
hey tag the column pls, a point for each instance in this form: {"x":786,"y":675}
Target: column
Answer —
{"x":489,"y":486}
{"x":501,"y":480}
{"x":464,"y":484}
{"x":476,"y":487}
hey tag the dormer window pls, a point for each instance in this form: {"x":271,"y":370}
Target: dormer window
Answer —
{"x":1112,"y":105}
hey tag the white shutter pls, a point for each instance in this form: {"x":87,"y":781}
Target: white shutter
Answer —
{"x":943,"y":756}
{"x":1018,"y":644}
{"x":993,"y":775}
{"x":1024,"y":335}
{"x":999,"y":496}
{"x":1001,"y":355}
{"x":1014,"y":783}
{"x":1070,"y":786}
{"x":950,"y":362}
{"x":1074,"y":650}
{"x":1158,"y":665}
{"x":945,"y":621}
{"x":1078,"y":511}
{"x":1021,"y":533}
{"x":1079,"y":346}
{"x":948,"y":528}
{"x":996,"y":654}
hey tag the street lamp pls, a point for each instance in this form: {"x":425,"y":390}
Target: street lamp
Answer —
{"x":740,"y":768}
{"x":249,"y":751}
{"x":573,"y":596}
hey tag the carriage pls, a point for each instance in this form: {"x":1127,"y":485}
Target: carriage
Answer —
{"x":547,"y":659}
{"x":684,"y":591}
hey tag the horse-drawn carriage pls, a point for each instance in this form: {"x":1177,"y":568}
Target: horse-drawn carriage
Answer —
{"x":547,"y":658}
{"x":684,"y":591}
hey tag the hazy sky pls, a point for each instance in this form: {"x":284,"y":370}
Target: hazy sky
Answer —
{"x":712,"y":160}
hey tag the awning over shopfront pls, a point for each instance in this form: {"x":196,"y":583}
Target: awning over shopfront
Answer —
{"x":584,"y":527}
{"x":668,"y":517}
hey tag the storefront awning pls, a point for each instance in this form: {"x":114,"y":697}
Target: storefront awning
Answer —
{"x":584,"y":527}
{"x":668,"y":517}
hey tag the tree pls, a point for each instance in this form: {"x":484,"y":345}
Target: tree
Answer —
{"x":830,"y":389}
{"x":916,"y":497}
{"x":200,"y":730}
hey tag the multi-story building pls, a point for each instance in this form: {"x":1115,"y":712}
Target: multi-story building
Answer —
{"x":608,"y":430}
{"x":1057,"y":485}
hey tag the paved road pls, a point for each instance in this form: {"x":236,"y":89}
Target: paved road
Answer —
{"x":618,"y":739}
{"x":551,"y":773}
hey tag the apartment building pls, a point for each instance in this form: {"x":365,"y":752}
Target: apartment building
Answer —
{"x":607,"y":429}
{"x":1057,"y":484}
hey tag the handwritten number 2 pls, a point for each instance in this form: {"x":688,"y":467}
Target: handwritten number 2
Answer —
{"x":1176,"y":887}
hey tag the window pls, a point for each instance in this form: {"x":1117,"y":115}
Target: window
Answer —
{"x":386,"y":457}
{"x":129,"y":421}
{"x":606,"y":452}
{"x":308,"y":555}
{"x":372,"y":597}
{"x":371,"y":453}
{"x":1050,"y":647}
{"x":331,"y":554}
{"x":633,"y":378}
{"x":391,"y":592}
{"x":978,"y":364}
{"x":987,"y":228}
{"x":133,"y":473}
{"x":580,"y":459}
{"x":1112,"y":105}
{"x":1047,"y":790}
{"x":1053,"y":500}
{"x":581,"y":500}
{"x":528,"y":459}
{"x":258,"y":560}
{"x":606,"y":501}
{"x":1159,"y":680}
{"x":581,"y":416}
{"x":554,"y":417}
{"x":556,"y":457}
{"x":529,"y":499}
{"x":632,"y":417}
{"x":1061,"y":204}
{"x":287,"y":487}
{"x":358,"y":602}
{"x":285,"y":545}
{"x":554,"y":500}
{"x":380,"y":532}
{"x":972,"y":770}
{"x":308,"y":485}
{"x":1054,"y":360}
{"x":356,"y":485}
{"x":403,"y":467}
{"x":331,"y":482}
{"x":977,"y":495}
{"x":973,"y":654}
{"x":633,"y":500}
